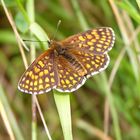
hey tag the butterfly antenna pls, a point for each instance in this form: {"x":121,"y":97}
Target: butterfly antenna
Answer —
{"x":33,"y":40}
{"x":58,"y":24}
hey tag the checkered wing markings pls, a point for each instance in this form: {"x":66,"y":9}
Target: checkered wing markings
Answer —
{"x":39,"y":77}
{"x":69,"y":79}
{"x":97,"y":41}
{"x":91,"y":62}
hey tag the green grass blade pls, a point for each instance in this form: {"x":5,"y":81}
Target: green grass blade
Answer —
{"x":138,"y":2}
{"x":130,"y":9}
{"x":62,"y":101}
{"x":20,"y":6}
{"x":37,"y":30}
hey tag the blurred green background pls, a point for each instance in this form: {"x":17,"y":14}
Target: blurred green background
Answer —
{"x":109,"y":103}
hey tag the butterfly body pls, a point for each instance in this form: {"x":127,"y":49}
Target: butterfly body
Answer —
{"x":61,"y":50}
{"x":67,"y":64}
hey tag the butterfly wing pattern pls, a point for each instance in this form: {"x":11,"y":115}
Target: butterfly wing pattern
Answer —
{"x":96,"y":41}
{"x":40,"y":76}
{"x":85,"y":55}
{"x":93,"y":63}
{"x":91,"y":47}
{"x":69,"y":78}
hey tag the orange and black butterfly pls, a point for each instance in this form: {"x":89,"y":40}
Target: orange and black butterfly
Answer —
{"x":67,"y":64}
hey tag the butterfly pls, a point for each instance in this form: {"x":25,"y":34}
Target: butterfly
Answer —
{"x":66,"y":64}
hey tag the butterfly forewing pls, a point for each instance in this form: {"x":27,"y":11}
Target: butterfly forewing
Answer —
{"x":40,"y":76}
{"x":97,"y":41}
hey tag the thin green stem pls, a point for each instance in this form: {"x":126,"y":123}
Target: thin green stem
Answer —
{"x":111,"y":105}
{"x":31,"y":15}
{"x":80,"y":15}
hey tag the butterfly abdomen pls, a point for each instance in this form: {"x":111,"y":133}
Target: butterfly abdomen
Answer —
{"x":75,"y":64}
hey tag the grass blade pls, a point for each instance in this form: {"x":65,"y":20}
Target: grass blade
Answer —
{"x":62,"y":101}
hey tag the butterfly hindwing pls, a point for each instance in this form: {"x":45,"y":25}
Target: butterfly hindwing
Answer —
{"x":69,"y":78}
{"x":91,"y":62}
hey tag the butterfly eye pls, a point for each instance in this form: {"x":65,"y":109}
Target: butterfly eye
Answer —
{"x":49,"y":42}
{"x":62,"y":51}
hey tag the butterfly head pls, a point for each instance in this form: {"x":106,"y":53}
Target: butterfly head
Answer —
{"x":52,"y":43}
{"x":57,"y":46}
